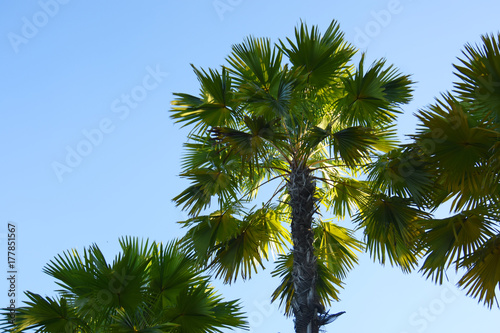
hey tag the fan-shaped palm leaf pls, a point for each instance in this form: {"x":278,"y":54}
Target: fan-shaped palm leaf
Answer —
{"x":215,"y":108}
{"x":371,"y":99}
{"x":46,"y":314}
{"x":452,"y":239}
{"x":337,"y":247}
{"x":244,"y":243}
{"x":343,"y":195}
{"x":321,"y":58}
{"x":391,"y":230}
{"x":483,"y":271}
{"x":99,"y":287}
{"x":406,"y":173}
{"x":480,"y":76}
{"x":460,"y":146}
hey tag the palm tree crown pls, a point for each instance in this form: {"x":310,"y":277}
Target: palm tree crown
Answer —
{"x":149,"y":288}
{"x":299,"y":114}
{"x":454,"y":159}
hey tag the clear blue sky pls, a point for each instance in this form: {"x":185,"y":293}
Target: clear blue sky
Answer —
{"x":96,"y":79}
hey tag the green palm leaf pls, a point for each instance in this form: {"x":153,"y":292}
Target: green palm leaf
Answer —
{"x":259,"y":232}
{"x":48,"y":315}
{"x":170,"y":271}
{"x":460,"y":146}
{"x":206,"y":183}
{"x":371,"y":99}
{"x":142,"y":321}
{"x":344,"y":196}
{"x":353,"y":144}
{"x":207,"y":231}
{"x":391,"y":230}
{"x":482,"y":278}
{"x":235,"y":241}
{"x":337,"y":247}
{"x":251,"y":146}
{"x":480,"y":75}
{"x":99,"y":287}
{"x":194,"y":312}
{"x":265,"y":87}
{"x":255,"y":61}
{"x":215,"y":108}
{"x":404,"y":172}
{"x":321,"y":58}
{"x":452,"y":239}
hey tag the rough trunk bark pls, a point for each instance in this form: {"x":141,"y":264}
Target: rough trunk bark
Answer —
{"x":305,"y":304}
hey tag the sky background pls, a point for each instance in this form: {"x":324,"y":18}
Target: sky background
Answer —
{"x":66,"y":71}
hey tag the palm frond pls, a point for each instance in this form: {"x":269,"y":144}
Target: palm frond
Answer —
{"x":353,"y":145}
{"x":480,"y":76}
{"x":170,"y":271}
{"x":197,"y":310}
{"x":459,"y":145}
{"x":372,"y":98}
{"x":202,"y":151}
{"x":206,"y":183}
{"x":46,"y":314}
{"x":259,"y":231}
{"x":406,"y":173}
{"x":265,"y":87}
{"x":321,"y":58}
{"x":148,"y":288}
{"x":97,"y":286}
{"x":141,"y":248}
{"x":482,"y":278}
{"x":391,"y":230}
{"x":140,"y":321}
{"x":206,"y":231}
{"x":214,"y":108}
{"x":254,"y":144}
{"x":255,"y":61}
{"x":337,"y":247}
{"x":344,"y":195}
{"x":448,"y":241}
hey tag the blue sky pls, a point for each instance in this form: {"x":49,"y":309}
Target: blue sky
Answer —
{"x":90,"y":153}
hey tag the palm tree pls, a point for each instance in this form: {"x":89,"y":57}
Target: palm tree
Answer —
{"x":299,"y":115}
{"x":147,"y":288}
{"x":454,"y":161}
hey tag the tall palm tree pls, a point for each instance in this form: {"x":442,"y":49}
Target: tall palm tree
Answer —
{"x":147,"y":288}
{"x":454,"y":161}
{"x":297,"y":114}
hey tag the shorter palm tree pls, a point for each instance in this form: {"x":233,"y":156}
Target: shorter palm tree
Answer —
{"x":147,"y":288}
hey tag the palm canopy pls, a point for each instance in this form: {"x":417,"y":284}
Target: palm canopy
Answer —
{"x":147,"y":288}
{"x":299,"y":114}
{"x":454,"y":160}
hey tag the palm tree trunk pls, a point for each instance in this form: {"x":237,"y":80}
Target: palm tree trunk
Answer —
{"x":301,"y":188}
